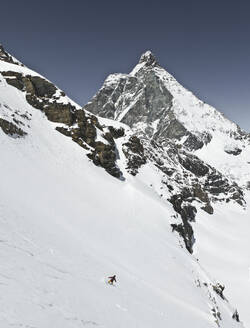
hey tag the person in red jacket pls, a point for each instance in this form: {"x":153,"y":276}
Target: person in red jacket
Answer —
{"x":112,"y":279}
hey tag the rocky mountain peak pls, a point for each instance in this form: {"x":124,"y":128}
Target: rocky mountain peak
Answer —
{"x":6,"y":57}
{"x":156,"y":106}
{"x":3,"y":54}
{"x":148,"y":58}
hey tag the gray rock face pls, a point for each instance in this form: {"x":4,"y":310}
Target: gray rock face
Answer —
{"x":142,"y":101}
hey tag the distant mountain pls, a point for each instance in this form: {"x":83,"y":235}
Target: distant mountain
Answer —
{"x":153,"y":103}
{"x":171,"y":217}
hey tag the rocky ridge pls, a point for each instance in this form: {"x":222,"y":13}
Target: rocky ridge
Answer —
{"x":169,"y":151}
{"x":156,"y":136}
{"x":172,"y":125}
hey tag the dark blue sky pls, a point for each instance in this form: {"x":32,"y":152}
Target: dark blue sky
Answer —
{"x":76,"y":44}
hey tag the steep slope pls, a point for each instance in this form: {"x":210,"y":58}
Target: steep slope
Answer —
{"x":66,"y":224}
{"x":152,"y":102}
{"x":202,"y":159}
{"x":222,"y":245}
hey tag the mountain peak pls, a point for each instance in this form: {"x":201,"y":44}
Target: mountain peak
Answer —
{"x":6,"y":57}
{"x":148,"y":58}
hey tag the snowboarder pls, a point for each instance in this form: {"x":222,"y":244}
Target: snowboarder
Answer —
{"x":112,"y":279}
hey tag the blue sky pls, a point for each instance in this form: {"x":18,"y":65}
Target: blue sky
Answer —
{"x":76,"y":44}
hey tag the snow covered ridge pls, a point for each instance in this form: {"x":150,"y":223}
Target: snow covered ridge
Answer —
{"x":66,"y":224}
{"x":151,"y":101}
{"x":184,"y":178}
{"x":5,"y":56}
{"x":171,"y":122}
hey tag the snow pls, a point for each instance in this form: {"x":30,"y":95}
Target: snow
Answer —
{"x":120,"y":115}
{"x":137,"y":68}
{"x":112,"y":79}
{"x":236,"y":168}
{"x":192,"y":112}
{"x":4,"y":67}
{"x":200,"y":118}
{"x":58,"y":246}
{"x":66,"y":225}
{"x":223,"y":245}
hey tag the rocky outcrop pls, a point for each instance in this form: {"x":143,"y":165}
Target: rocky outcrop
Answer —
{"x":11,"y":129}
{"x":84,"y":133}
{"x":187,"y":213}
{"x":236,"y":316}
{"x":116,"y":133}
{"x":81,"y":127}
{"x":4,"y":56}
{"x":104,"y":155}
{"x":208,"y":208}
{"x":39,"y":86}
{"x":39,"y":92}
{"x":134,"y":152}
{"x":236,"y":151}
{"x":60,"y":113}
{"x":219,"y":289}
{"x":193,"y":164}
{"x":191,"y":183}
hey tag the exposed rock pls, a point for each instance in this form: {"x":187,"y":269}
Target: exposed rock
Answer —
{"x":219,"y":289}
{"x":134,"y":153}
{"x":208,"y":208}
{"x":236,"y":151}
{"x":105,"y":156}
{"x":14,"y":79}
{"x":147,"y":99}
{"x":216,"y":314}
{"x":84,"y":133}
{"x":148,"y":58}
{"x":11,"y":129}
{"x":199,"y":193}
{"x":116,"y":133}
{"x":185,"y":230}
{"x":41,"y":87}
{"x":175,"y":130}
{"x":187,"y":213}
{"x":34,"y":85}
{"x":64,"y":131}
{"x":193,"y":164}
{"x":4,"y":56}
{"x":38,"y":94}
{"x":60,"y":113}
{"x":236,"y":316}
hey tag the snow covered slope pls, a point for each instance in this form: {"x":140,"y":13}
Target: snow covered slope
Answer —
{"x":174,"y":125}
{"x":66,"y":224}
{"x":223,"y":246}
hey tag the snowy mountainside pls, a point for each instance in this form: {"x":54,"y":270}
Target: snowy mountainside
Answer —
{"x":176,"y":131}
{"x":151,"y":101}
{"x":66,"y":224}
{"x":201,"y":157}
{"x":57,"y":246}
